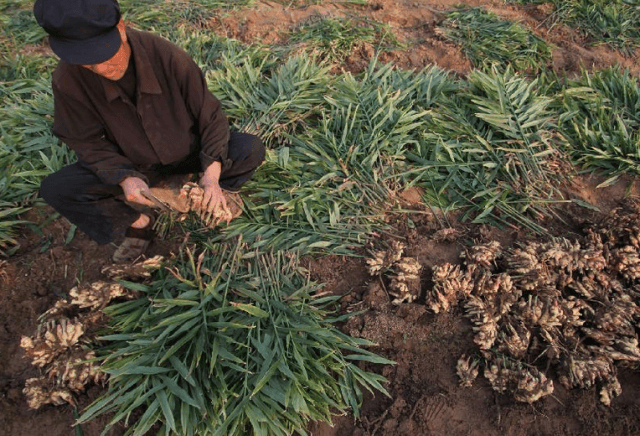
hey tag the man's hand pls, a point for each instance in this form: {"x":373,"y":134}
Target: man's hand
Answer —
{"x":133,"y":188}
{"x":213,"y":197}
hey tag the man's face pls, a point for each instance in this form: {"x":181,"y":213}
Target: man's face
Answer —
{"x":115,"y":67}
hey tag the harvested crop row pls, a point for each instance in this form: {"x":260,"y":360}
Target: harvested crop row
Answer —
{"x":62,"y":346}
{"x":567,"y":305}
{"x":542,"y":311}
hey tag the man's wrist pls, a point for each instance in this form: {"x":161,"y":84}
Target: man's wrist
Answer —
{"x":210,"y":183}
{"x":211,"y":175}
{"x":129,"y":179}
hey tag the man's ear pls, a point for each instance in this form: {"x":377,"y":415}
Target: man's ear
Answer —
{"x":121,"y":29}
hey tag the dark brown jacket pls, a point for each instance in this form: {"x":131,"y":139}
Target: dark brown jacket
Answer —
{"x":175,"y":115}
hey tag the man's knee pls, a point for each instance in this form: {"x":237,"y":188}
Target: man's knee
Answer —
{"x":246,"y":148}
{"x":258,"y":151}
{"x":73,"y":184}
{"x":51,"y":190}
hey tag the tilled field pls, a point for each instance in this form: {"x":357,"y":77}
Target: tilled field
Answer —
{"x":560,"y":315}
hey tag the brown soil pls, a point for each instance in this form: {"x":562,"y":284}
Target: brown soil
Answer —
{"x":414,"y":23}
{"x":425,"y":396}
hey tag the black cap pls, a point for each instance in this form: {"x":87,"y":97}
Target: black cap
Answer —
{"x":80,"y":32}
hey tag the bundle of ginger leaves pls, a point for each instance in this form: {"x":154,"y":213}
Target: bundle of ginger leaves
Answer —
{"x":230,"y":343}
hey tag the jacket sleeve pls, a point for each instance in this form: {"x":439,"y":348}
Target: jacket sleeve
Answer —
{"x":206,"y":109}
{"x":82,"y":130}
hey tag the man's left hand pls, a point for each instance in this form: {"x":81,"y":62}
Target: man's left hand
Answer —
{"x":213,"y":197}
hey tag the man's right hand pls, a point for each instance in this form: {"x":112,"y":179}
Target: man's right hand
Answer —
{"x":133,"y":188}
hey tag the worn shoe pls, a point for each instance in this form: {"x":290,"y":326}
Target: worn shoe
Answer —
{"x":135,"y":244}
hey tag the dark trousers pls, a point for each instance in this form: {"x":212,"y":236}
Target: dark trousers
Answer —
{"x":79,"y":195}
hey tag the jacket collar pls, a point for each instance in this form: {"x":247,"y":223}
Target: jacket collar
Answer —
{"x":146,"y":81}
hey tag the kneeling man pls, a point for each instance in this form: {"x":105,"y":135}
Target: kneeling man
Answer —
{"x":135,"y":108}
